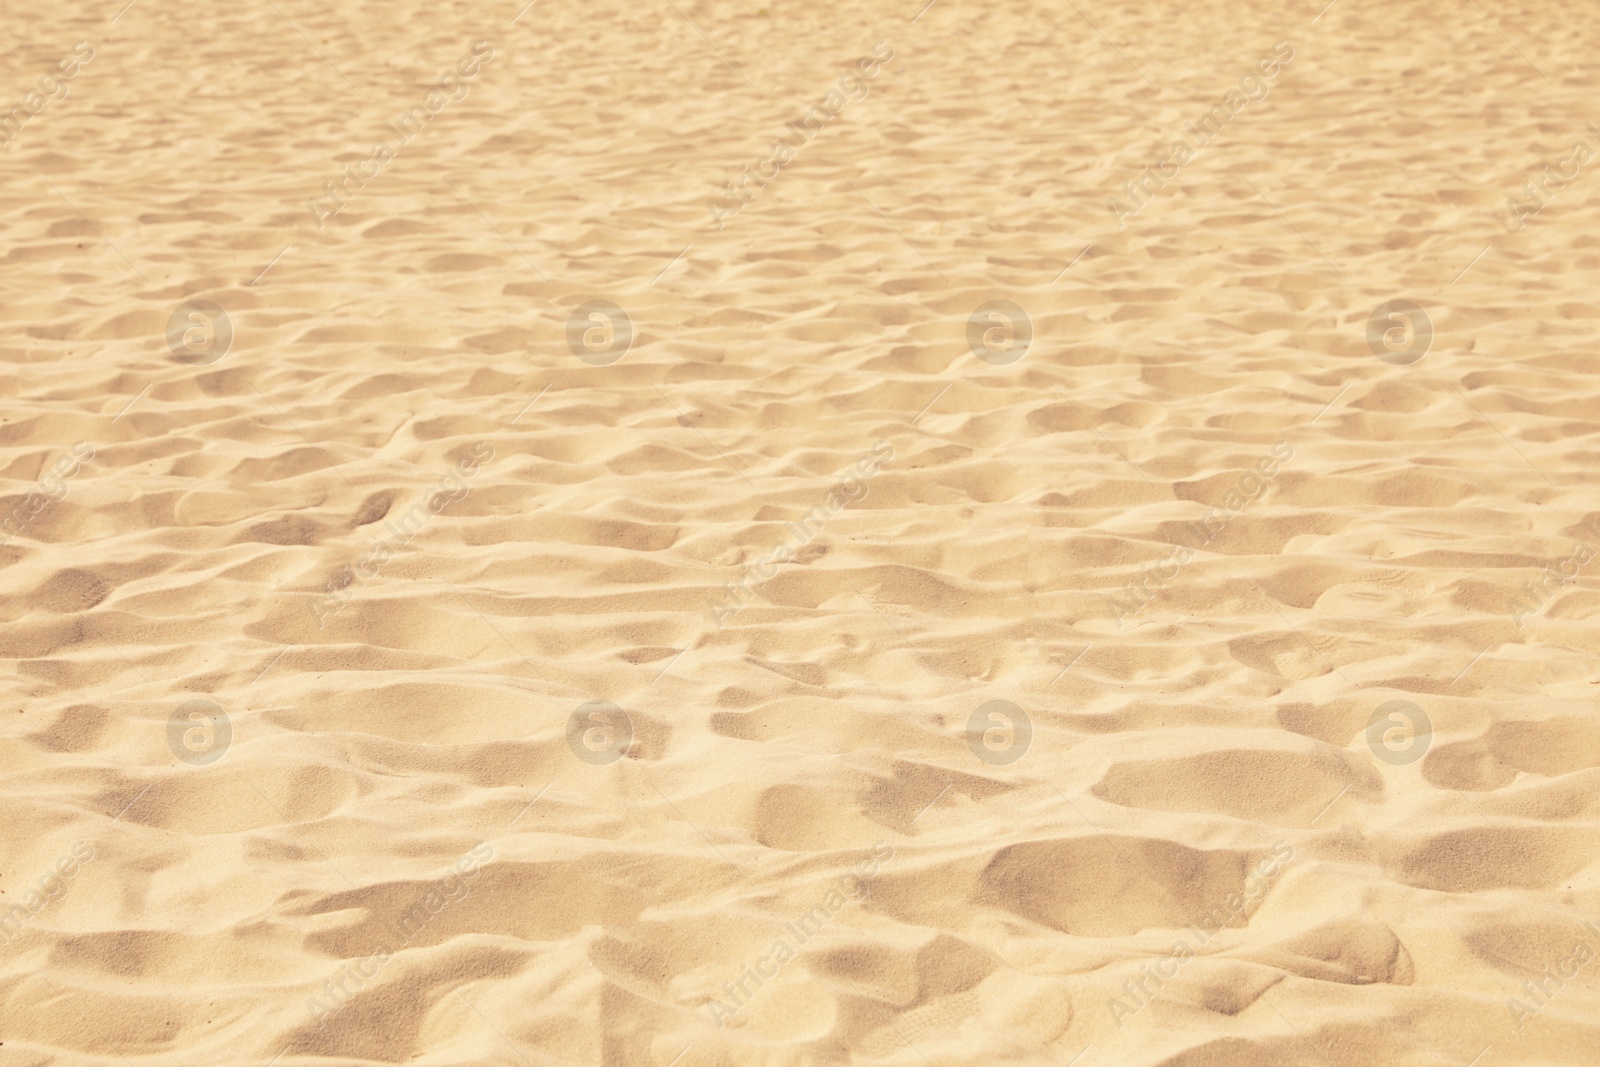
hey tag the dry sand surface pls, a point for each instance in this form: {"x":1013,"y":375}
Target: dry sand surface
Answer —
{"x":685,"y":533}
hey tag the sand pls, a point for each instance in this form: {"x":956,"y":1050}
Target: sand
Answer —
{"x":700,"y":534}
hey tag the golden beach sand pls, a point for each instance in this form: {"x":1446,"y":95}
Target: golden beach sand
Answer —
{"x":698,"y":534}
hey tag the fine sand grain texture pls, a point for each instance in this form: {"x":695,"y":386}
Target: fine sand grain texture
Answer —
{"x":699,"y":534}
